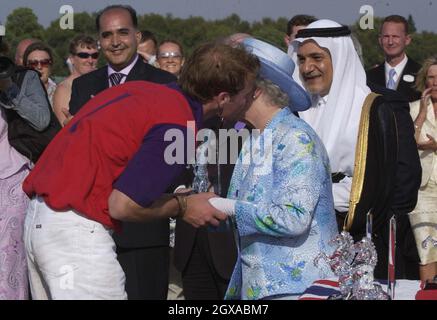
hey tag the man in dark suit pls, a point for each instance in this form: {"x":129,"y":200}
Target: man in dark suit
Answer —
{"x":398,"y":72}
{"x":142,"y":248}
{"x":206,"y":256}
{"x":119,"y":38}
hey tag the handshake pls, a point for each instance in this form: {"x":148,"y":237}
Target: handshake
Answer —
{"x":205,"y":208}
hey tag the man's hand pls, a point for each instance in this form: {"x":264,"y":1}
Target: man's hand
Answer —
{"x":200,"y":212}
{"x":431,"y":144}
{"x":148,"y":58}
{"x":424,"y":100}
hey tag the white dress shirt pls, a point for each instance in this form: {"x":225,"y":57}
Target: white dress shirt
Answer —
{"x":124,"y":71}
{"x":399,"y":68}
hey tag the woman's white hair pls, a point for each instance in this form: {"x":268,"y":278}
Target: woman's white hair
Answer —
{"x":273,"y":94}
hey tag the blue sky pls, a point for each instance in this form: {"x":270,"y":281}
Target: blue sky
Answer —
{"x":344,"y":11}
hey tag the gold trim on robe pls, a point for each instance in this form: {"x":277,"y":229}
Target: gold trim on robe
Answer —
{"x":360,"y":160}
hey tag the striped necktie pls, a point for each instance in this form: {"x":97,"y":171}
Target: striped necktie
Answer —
{"x":391,"y":84}
{"x":115,"y":78}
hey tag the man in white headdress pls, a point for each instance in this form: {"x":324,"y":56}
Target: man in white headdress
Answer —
{"x":369,"y":139}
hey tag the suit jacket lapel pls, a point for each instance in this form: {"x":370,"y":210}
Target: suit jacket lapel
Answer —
{"x":380,"y":75}
{"x":403,"y":85}
{"x":102,"y":81}
{"x":138,"y":72}
{"x":409,"y":68}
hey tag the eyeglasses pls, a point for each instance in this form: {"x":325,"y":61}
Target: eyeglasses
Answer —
{"x":162,"y":55}
{"x":44,"y":63}
{"x":86,"y":55}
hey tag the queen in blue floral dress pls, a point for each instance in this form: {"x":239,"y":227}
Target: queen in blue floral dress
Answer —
{"x":282,"y":203}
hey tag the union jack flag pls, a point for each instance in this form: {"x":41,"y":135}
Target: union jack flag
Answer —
{"x":321,"y":290}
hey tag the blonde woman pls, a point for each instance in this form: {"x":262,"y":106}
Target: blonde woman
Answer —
{"x":424,"y":217}
{"x":83,"y":56}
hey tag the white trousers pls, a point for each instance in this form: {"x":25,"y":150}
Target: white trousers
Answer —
{"x":70,"y":256}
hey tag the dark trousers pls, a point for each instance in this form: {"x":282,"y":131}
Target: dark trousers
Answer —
{"x":199,"y":278}
{"x":341,"y":217}
{"x":146,"y":271}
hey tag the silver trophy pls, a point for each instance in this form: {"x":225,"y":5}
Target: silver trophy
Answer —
{"x":201,"y":182}
{"x":354,"y":264}
{"x":364,"y":285}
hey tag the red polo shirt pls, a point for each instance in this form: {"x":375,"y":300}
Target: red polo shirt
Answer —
{"x":115,"y":140}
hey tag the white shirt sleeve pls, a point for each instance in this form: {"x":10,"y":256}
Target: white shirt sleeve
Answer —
{"x":341,"y":192}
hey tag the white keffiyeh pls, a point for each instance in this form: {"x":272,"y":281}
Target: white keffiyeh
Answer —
{"x":336,"y":117}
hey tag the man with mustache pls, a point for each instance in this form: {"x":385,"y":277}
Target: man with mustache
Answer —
{"x":139,"y":243}
{"x":119,"y":38}
{"x":369,"y":139}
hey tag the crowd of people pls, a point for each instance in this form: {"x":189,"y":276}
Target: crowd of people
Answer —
{"x":91,"y":208}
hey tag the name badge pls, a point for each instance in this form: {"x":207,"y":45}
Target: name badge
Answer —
{"x":408,"y":78}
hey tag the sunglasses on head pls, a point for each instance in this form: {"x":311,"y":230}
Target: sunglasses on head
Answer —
{"x":86,"y":55}
{"x":44,"y":63}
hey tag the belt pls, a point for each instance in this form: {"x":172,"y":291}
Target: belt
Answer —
{"x":337,"y":177}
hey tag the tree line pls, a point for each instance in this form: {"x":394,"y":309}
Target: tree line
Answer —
{"x":23,"y":23}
